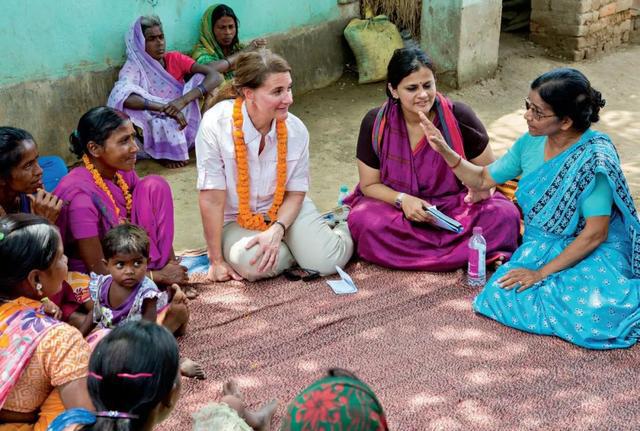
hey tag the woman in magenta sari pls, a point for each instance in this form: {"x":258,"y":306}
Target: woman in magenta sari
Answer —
{"x":106,"y":191}
{"x":400,"y":174}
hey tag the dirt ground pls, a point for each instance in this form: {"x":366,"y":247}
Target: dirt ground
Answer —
{"x":333,"y":116}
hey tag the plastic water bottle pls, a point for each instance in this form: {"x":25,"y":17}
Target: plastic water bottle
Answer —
{"x":477,"y":269}
{"x":342,"y":194}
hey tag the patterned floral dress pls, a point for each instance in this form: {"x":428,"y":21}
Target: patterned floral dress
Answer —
{"x":106,"y":316}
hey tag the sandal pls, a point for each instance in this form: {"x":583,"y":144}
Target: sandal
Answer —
{"x":296,"y":273}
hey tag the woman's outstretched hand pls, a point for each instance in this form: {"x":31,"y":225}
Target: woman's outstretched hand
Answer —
{"x":222,"y":271}
{"x":268,"y":248}
{"x":434,"y":137}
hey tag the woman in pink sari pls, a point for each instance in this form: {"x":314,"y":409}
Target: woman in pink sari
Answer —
{"x":400,"y":175}
{"x":106,"y":191}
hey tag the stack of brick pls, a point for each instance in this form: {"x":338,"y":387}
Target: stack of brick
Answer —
{"x":579,"y":29}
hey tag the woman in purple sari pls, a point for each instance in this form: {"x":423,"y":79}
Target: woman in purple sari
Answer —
{"x":106,"y":191}
{"x":151,"y":89}
{"x":400,"y":175}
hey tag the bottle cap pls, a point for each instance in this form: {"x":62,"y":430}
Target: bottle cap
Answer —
{"x":477,"y":230}
{"x":344,"y":188}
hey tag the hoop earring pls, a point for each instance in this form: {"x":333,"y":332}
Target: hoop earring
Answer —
{"x":39,"y":289}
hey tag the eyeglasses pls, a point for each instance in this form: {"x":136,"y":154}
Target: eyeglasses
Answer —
{"x":536,"y":112}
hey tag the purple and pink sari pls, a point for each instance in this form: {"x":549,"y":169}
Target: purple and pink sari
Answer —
{"x":384,"y":236}
{"x":152,"y":210}
{"x":145,"y":76}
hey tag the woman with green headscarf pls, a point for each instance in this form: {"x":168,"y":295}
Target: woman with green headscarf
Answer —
{"x":338,"y":401}
{"x":219,"y":39}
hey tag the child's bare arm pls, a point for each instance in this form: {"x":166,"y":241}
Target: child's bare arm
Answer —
{"x":87,"y":325}
{"x":149,"y":311}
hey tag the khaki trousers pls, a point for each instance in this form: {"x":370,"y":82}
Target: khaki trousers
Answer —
{"x":309,"y":242}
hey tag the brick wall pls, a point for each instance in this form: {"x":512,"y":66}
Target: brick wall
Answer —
{"x":579,"y":29}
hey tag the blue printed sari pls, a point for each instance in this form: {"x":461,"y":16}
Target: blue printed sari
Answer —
{"x":595,"y":303}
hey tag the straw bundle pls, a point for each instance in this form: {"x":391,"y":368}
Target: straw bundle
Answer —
{"x":404,"y":13}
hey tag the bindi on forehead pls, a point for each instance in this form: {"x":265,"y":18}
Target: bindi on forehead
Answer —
{"x":421,"y":82}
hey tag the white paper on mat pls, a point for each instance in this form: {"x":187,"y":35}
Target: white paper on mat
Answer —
{"x":343,"y":286}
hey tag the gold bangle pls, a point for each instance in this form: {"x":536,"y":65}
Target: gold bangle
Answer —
{"x":45,"y":300}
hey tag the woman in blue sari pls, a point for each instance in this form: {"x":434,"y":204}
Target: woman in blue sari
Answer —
{"x":576,"y":273}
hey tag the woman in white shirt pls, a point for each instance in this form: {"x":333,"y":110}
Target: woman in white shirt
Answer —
{"x":253,"y":176}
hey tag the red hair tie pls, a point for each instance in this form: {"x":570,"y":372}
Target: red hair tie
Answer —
{"x":134,"y":376}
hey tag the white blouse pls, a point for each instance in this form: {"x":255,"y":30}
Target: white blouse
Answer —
{"x":215,"y":153}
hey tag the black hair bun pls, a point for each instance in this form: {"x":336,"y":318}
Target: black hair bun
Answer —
{"x":597,"y":102}
{"x":75,"y":144}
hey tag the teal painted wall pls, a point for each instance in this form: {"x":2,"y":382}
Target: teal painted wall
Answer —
{"x":49,"y":39}
{"x":440,"y":32}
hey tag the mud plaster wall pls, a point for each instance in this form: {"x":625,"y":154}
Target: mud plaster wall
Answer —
{"x":635,"y":22}
{"x":50,"y":107}
{"x":579,"y":29}
{"x":462,"y":37}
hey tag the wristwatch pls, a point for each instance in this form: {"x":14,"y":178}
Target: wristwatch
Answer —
{"x":398,"y":201}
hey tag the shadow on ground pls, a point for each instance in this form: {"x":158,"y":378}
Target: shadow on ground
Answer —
{"x":434,"y":364}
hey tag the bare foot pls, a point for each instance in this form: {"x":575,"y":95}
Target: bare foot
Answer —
{"x":176,"y":294}
{"x":259,"y":420}
{"x":497,"y":263}
{"x":264,"y":416}
{"x":231,"y":388}
{"x":191,"y":369}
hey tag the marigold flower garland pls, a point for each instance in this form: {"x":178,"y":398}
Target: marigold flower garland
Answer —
{"x":246,"y":218}
{"x":97,"y":178}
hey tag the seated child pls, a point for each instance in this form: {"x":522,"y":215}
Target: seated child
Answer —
{"x":127,"y":294}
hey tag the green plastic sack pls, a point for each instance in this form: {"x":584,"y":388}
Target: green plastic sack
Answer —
{"x":372,"y":42}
